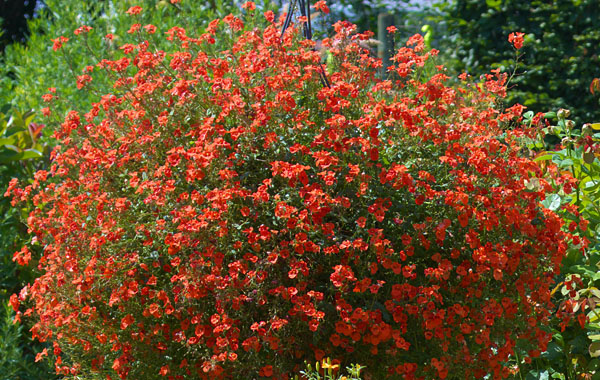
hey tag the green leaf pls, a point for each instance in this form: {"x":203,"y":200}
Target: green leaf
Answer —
{"x":543,"y":156}
{"x":565,"y":163}
{"x":537,"y":375}
{"x":585,"y":270}
{"x":591,"y":185}
{"x":594,"y":349}
{"x":494,"y":4}
{"x":558,"y":338}
{"x":553,"y":352}
{"x":7,"y":156}
{"x":593,"y":365}
{"x":552,"y":202}
{"x":588,"y":157}
{"x":8,"y":140}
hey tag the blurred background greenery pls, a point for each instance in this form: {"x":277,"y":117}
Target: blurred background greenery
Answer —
{"x":555,"y":69}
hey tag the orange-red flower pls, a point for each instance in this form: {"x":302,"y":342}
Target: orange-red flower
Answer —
{"x":516,"y":39}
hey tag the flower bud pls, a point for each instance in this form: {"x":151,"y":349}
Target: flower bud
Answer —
{"x":563,"y":113}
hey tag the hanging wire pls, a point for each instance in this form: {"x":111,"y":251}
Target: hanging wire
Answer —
{"x":304,"y":6}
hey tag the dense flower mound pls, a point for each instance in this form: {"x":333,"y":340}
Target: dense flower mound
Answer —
{"x":222,"y":214}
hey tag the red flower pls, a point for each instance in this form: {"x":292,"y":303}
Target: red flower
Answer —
{"x":321,"y":5}
{"x":58,"y":43}
{"x":249,"y":5}
{"x":82,"y":29}
{"x":135,"y":10}
{"x":516,"y":39}
{"x":126,"y":321}
{"x":266,"y":371}
{"x":14,"y":302}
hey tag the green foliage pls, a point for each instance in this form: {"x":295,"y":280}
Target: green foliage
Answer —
{"x":574,"y":350}
{"x":560,"y":56}
{"x":17,"y":358}
{"x":13,"y":20}
{"x":19,"y":136}
{"x":21,"y":154}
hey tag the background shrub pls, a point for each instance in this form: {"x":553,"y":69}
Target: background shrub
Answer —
{"x":575,"y":347}
{"x":21,"y":154}
{"x":559,"y":59}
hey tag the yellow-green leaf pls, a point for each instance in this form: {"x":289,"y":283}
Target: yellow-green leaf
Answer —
{"x":594,"y":349}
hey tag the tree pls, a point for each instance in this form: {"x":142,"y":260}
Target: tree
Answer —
{"x":560,"y":58}
{"x":13,"y":19}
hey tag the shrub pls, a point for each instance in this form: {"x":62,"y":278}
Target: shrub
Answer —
{"x":222,"y":214}
{"x":20,"y":152}
{"x":575,"y":349}
{"x":561,"y":50}
{"x":18,"y":352}
{"x":26,"y":72}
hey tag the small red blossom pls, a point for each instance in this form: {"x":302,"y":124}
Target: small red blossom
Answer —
{"x":516,"y":39}
{"x":135,"y":10}
{"x":126,"y":321}
{"x":58,"y":42}
{"x":14,"y":302}
{"x":151,"y":29}
{"x":40,"y":356}
{"x":22,"y":257}
{"x":595,"y":85}
{"x":82,"y":29}
{"x":321,"y":5}
{"x":83,"y":80}
{"x":134,"y":28}
{"x":266,"y":371}
{"x":249,"y":5}
{"x":269,"y":16}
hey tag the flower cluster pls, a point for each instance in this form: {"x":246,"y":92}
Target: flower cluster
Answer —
{"x":221,"y":214}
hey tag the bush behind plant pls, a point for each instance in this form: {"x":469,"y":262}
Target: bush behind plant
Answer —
{"x":560,"y":56}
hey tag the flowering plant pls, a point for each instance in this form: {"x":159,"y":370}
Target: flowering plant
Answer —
{"x":221,"y":214}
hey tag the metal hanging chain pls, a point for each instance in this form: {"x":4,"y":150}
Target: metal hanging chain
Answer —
{"x":307,"y":29}
{"x":288,"y":18}
{"x":305,"y":11}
